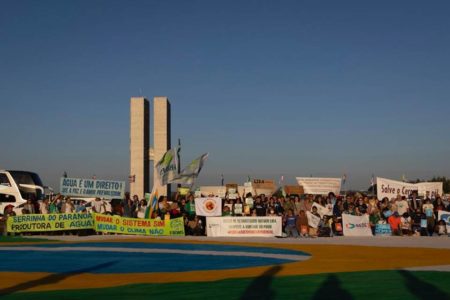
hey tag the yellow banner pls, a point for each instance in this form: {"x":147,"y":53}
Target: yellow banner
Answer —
{"x":49,"y":222}
{"x":117,"y":224}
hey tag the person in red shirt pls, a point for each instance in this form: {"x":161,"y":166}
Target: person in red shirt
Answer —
{"x":395,"y":222}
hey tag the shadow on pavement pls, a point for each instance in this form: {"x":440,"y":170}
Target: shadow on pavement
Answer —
{"x":422,"y":289}
{"x":260,"y":287}
{"x":331,"y":289}
{"x":53,"y":278}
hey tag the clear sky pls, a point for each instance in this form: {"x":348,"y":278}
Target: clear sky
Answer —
{"x":268,"y":88}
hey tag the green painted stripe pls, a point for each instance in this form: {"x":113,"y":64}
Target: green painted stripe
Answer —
{"x":356,"y":285}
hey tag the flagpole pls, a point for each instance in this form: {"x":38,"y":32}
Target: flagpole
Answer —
{"x":179,"y":160}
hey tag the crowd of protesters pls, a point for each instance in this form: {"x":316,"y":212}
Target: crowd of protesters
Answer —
{"x":412,"y":216}
{"x":406,"y":216}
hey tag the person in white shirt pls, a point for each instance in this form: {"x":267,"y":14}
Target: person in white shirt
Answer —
{"x":43,"y":207}
{"x":68,"y":206}
{"x":402,"y":206}
{"x":98,"y":206}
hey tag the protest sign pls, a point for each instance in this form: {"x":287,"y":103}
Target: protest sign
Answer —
{"x":231,"y":187}
{"x":319,"y":185}
{"x":383,"y":230}
{"x":221,"y":193}
{"x":238,"y":209}
{"x":243,"y":226}
{"x":445,"y":216}
{"x":117,"y":224}
{"x":356,"y":225}
{"x":264,"y":184}
{"x":293,"y":190}
{"x":313,"y":220}
{"x":183,"y":191}
{"x":49,"y":222}
{"x":92,"y":188}
{"x":322,"y":210}
{"x":208,"y":207}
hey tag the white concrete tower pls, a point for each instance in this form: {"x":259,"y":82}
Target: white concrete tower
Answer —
{"x":139,"y":146}
{"x":161,"y":137}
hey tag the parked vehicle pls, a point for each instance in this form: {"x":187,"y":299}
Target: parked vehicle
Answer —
{"x":16,"y":187}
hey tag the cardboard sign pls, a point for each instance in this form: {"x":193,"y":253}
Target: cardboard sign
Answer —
{"x":229,"y":186}
{"x":263,"y":184}
{"x":293,"y":190}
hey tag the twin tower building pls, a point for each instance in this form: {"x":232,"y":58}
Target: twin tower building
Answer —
{"x":141,"y":154}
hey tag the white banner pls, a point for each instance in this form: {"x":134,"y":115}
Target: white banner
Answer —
{"x":391,"y":188}
{"x":243,"y":226}
{"x":92,"y":188}
{"x":430,"y":188}
{"x":208,"y":207}
{"x":356,"y":225}
{"x":445,"y":215}
{"x":320,"y":186}
{"x":313,"y":220}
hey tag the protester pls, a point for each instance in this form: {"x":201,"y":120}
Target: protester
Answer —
{"x":290,"y":224}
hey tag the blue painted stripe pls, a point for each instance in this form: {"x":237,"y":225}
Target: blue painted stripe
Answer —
{"x":110,"y":262}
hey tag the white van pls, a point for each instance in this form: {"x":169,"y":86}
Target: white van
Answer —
{"x":16,"y":187}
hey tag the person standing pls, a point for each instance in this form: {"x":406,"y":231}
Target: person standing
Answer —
{"x":44,"y":207}
{"x":428,"y":209}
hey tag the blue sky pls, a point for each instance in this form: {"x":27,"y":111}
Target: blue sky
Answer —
{"x":268,"y":88}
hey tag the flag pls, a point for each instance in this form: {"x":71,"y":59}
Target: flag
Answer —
{"x":167,"y":167}
{"x":208,"y":207}
{"x":188,"y":175}
{"x":152,"y":203}
{"x":372,"y":180}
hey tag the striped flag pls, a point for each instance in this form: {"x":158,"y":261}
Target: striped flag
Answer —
{"x":152,"y":203}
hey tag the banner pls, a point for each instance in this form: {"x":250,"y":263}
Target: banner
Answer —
{"x":445,"y":215}
{"x":117,"y":224}
{"x":313,"y":220}
{"x":383,"y":230}
{"x":167,"y":167}
{"x":92,"y":188}
{"x":320,"y":186}
{"x":49,"y":222}
{"x":430,"y":189}
{"x":356,"y":225}
{"x":208,"y":207}
{"x":243,"y":226}
{"x":391,"y":188}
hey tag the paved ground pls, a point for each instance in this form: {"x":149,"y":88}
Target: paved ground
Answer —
{"x":141,"y":267}
{"x":392,"y":241}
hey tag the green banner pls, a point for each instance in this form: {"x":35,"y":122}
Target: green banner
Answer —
{"x":49,"y":222}
{"x":117,"y":224}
